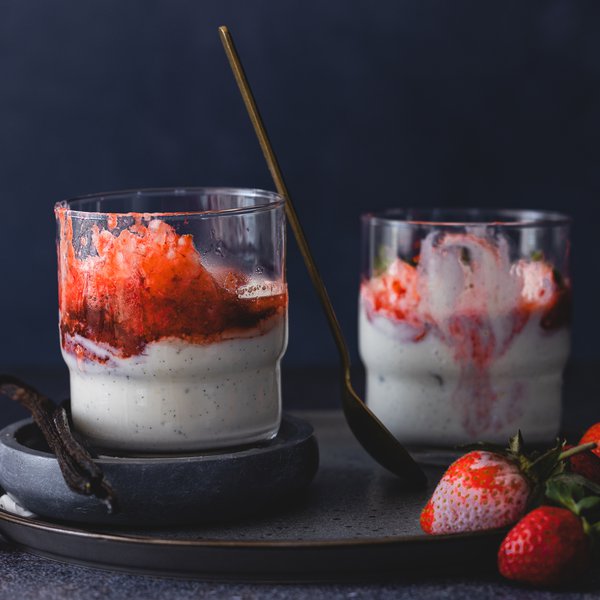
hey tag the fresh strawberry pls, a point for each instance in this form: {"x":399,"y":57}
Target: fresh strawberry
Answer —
{"x":488,"y":489}
{"x":546,"y":547}
{"x":585,"y":464}
{"x":552,"y":544}
{"x":592,"y":435}
{"x":481,"y":490}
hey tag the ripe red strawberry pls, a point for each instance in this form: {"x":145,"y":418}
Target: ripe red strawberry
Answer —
{"x":592,"y":435}
{"x":489,"y":489}
{"x":585,"y":464}
{"x":552,"y":544}
{"x":481,"y":490}
{"x":546,"y":547}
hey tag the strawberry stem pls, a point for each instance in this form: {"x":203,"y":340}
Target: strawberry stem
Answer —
{"x":577,"y":450}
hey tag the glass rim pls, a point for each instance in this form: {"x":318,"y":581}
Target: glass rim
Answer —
{"x":490,"y":217}
{"x":272,"y":200}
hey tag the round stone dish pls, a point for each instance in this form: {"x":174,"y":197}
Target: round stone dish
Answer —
{"x":157,"y":491}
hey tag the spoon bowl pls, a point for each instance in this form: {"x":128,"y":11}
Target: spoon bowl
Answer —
{"x":372,"y":434}
{"x":376,"y":438}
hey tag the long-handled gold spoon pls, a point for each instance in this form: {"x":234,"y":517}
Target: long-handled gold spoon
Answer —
{"x":367,"y":428}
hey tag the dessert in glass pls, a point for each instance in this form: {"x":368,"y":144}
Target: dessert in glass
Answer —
{"x":464,"y":323}
{"x":173,"y":316}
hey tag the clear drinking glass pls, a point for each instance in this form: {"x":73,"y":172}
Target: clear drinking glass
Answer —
{"x":464,"y":323}
{"x":173,"y":316}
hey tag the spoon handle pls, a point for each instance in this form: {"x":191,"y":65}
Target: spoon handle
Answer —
{"x":370,"y":432}
{"x":265,"y":144}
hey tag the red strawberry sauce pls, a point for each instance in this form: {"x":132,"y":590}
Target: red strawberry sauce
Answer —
{"x":145,"y":283}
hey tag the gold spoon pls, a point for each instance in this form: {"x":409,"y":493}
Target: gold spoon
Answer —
{"x":367,"y":428}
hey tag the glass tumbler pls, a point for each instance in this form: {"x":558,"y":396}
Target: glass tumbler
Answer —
{"x":464,"y":323}
{"x":173,"y":316}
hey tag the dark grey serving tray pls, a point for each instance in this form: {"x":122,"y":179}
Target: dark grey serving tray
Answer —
{"x":353,"y":522}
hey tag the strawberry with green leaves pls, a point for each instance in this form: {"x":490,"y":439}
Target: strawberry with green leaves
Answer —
{"x":552,"y":544}
{"x":487,"y":489}
{"x":481,"y":490}
{"x":592,"y":435}
{"x":587,"y":464}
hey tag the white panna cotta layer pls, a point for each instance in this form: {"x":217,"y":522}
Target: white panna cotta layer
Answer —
{"x":178,"y":397}
{"x":425,"y":396}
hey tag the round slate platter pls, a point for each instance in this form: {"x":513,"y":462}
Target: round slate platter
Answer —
{"x":163,"y":490}
{"x":355,"y":521}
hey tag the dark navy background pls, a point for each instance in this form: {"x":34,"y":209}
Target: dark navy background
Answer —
{"x":369,"y":104}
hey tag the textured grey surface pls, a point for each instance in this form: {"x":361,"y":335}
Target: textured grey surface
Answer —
{"x":32,"y":578}
{"x":350,"y":497}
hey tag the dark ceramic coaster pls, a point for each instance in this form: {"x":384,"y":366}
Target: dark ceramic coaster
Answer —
{"x":163,"y":490}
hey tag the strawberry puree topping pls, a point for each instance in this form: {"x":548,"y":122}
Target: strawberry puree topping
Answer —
{"x":131,"y":287}
{"x":468,"y":277}
{"x":395,"y":295}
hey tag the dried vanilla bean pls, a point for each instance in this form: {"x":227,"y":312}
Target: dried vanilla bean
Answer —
{"x":92,"y":480}
{"x":79,"y":470}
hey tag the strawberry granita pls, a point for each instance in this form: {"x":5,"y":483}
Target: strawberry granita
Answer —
{"x":463,"y":343}
{"x":166,"y":351}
